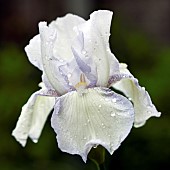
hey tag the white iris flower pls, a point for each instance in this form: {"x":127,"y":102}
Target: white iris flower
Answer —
{"x":78,"y":70}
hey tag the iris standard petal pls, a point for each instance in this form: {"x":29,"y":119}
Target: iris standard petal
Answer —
{"x":97,"y":117}
{"x":144,"y":108}
{"x":50,"y":62}
{"x":33,"y":116}
{"x":65,"y":34}
{"x":96,"y":33}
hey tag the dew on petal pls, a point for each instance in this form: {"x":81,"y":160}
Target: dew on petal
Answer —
{"x":84,"y":52}
{"x":69,"y":75}
{"x":143,"y":88}
{"x":149,"y":112}
{"x":100,"y":105}
{"x":106,"y":99}
{"x":95,"y":146}
{"x":61,"y":60}
{"x":113,"y":114}
{"x":114,"y":100}
{"x":130,"y":99}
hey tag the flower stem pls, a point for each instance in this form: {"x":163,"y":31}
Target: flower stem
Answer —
{"x":97,"y":155}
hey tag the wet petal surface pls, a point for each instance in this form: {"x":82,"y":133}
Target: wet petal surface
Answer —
{"x":33,"y":117}
{"x":96,"y":117}
{"x":143,"y":106}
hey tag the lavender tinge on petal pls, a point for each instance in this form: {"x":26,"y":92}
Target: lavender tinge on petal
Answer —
{"x":117,"y":77}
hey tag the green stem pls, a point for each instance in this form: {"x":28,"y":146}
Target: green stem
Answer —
{"x":97,"y":155}
{"x":97,"y":165}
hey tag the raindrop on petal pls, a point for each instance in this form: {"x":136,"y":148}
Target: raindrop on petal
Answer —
{"x":69,"y":75}
{"x":149,"y":112}
{"x":84,"y":52}
{"x":114,"y":100}
{"x":95,"y":146}
{"x":112,"y":114}
{"x":106,"y":99}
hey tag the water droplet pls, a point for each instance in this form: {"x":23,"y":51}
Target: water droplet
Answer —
{"x":88,"y":120}
{"x":106,"y":99}
{"x":95,"y":146}
{"x":149,"y":107}
{"x":109,"y":136}
{"x":61,"y":60}
{"x":102,"y":124}
{"x":69,"y":75}
{"x":104,"y":127}
{"x":149,"y":112}
{"x":112,"y":114}
{"x":84,"y":52}
{"x":143,"y":88}
{"x":70,"y":83}
{"x":130,"y":99}
{"x":100,"y":105}
{"x":84,"y":138}
{"x":114,"y":100}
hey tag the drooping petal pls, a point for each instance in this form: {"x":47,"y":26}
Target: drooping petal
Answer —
{"x":97,"y":117}
{"x":96,"y":33}
{"x":33,"y":116}
{"x":144,"y":108}
{"x":33,"y":51}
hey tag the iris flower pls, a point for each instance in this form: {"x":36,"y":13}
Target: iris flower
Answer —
{"x":78,"y":72}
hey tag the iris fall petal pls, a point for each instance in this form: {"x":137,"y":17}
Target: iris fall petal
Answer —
{"x":33,"y":116}
{"x":143,"y":106}
{"x":96,"y":117}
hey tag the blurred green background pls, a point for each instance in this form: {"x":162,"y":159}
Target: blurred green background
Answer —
{"x":140,"y":37}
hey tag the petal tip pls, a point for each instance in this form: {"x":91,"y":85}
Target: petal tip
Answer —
{"x":22,"y":142}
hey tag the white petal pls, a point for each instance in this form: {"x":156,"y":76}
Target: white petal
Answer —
{"x":65,"y":34}
{"x":50,"y":63}
{"x":96,"y":33}
{"x":33,"y":51}
{"x":33,"y":116}
{"x":72,"y":71}
{"x":144,"y":108}
{"x":97,"y":117}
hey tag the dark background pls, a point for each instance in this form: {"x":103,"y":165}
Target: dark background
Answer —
{"x":140,"y":36}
